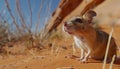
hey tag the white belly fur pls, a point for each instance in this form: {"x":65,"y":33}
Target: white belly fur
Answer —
{"x":80,"y":44}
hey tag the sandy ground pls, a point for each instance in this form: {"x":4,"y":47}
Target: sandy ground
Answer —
{"x":58,"y":58}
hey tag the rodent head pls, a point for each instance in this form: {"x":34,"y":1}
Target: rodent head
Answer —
{"x":79,"y":25}
{"x":74,"y":25}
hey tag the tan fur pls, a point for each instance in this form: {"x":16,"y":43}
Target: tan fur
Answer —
{"x":96,"y":40}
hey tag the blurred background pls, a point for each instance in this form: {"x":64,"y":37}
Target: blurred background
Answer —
{"x":34,"y":27}
{"x":22,"y":17}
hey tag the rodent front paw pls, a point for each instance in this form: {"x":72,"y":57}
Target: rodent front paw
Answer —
{"x":84,"y":60}
{"x":79,"y":59}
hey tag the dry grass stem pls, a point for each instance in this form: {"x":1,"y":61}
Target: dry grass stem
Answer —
{"x":13,"y":18}
{"x":108,"y":44}
{"x":74,"y":50}
{"x":111,"y":64}
{"x":65,"y":68}
{"x":58,"y":51}
{"x":52,"y":49}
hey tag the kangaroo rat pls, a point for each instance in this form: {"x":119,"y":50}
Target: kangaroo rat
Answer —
{"x":91,"y":41}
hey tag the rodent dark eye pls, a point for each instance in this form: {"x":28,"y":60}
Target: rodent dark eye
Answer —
{"x":79,"y":20}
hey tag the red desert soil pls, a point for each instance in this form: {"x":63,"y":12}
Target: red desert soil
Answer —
{"x":58,"y":58}
{"x":49,"y":62}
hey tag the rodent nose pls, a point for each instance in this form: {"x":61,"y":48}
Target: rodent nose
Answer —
{"x":65,"y":23}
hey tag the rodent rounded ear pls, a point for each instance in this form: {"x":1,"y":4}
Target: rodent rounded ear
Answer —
{"x":89,"y":15}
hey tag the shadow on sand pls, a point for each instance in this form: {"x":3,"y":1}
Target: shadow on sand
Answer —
{"x":90,"y":60}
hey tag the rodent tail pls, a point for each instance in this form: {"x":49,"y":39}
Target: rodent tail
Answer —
{"x":117,"y":60}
